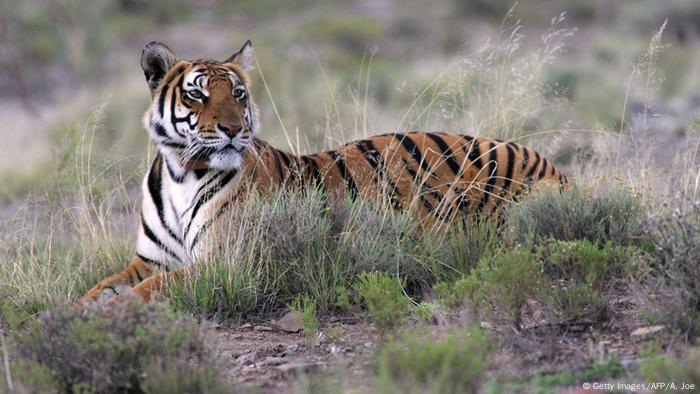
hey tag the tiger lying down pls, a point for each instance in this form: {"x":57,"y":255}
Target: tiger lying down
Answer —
{"x":203,"y":121}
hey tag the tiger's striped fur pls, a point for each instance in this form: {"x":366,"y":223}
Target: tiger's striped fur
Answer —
{"x":203,"y":122}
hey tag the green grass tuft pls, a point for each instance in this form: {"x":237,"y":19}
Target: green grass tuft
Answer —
{"x":383,"y":298}
{"x":418,"y":364}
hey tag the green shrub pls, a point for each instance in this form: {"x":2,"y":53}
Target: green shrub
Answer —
{"x":671,"y":369}
{"x":583,"y":273}
{"x":598,"y":371}
{"x":506,"y":281}
{"x":383,"y":298}
{"x":569,"y":279}
{"x":453,"y":294}
{"x":304,"y":309}
{"x":604,"y":369}
{"x":677,"y":237}
{"x":343,"y":299}
{"x":418,"y":364}
{"x":123,"y":348}
{"x":601,"y":215}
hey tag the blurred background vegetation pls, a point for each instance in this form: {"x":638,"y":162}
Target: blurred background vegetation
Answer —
{"x":338,"y":69}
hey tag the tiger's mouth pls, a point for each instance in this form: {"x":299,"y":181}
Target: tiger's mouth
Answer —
{"x":227,"y":157}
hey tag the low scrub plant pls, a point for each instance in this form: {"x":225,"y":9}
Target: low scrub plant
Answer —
{"x":382,"y":296}
{"x":582,"y":275}
{"x":505,"y":282}
{"x":685,"y":369}
{"x":417,"y":363}
{"x":304,"y":309}
{"x":126,"y":348}
{"x":677,"y":238}
{"x":569,"y":280}
{"x":453,"y":294}
{"x":578,"y":212}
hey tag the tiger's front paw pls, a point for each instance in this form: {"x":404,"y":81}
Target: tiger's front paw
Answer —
{"x":102,"y":294}
{"x":126,"y":297}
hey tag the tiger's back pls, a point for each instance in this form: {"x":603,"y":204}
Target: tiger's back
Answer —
{"x":437,"y":174}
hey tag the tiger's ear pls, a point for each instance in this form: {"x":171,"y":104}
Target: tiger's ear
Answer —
{"x":244,"y":58}
{"x":156,"y":60}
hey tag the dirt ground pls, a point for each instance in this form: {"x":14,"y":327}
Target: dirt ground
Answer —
{"x":263,"y":356}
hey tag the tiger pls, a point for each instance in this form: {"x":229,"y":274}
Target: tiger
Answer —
{"x":203,"y":121}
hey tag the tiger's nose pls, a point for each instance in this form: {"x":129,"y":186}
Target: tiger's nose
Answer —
{"x":229,"y":130}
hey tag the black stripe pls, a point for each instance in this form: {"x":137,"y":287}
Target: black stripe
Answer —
{"x":278,"y":163}
{"x":508,"y":178}
{"x":426,"y":189}
{"x":161,"y":101}
{"x":534,"y":166}
{"x":289,"y":172}
{"x":526,"y":158}
{"x":446,"y":151}
{"x":216,"y":216}
{"x":174,"y":145}
{"x":138,"y":275}
{"x":462,"y":200}
{"x":344,"y":173}
{"x":199,"y":173}
{"x":155,"y":185}
{"x":492,"y":164}
{"x":310,"y":163}
{"x":208,"y":195}
{"x":160,"y":130}
{"x":473,"y":153}
{"x":173,"y":175}
{"x":376,"y":161}
{"x":509,"y":170}
{"x":209,"y":222}
{"x":152,"y":262}
{"x":413,"y":150}
{"x":422,"y":197}
{"x":543,"y":172}
{"x":152,"y":236}
{"x":173,"y":101}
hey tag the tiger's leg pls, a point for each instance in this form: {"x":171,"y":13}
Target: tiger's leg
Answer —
{"x":119,"y":283}
{"x":153,"y":284}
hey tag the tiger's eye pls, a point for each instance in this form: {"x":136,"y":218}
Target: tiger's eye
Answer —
{"x":239,"y":93}
{"x":195,"y":95}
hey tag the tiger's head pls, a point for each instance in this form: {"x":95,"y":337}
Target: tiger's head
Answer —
{"x":201,"y":113}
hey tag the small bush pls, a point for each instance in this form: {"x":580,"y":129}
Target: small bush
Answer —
{"x":602,"y":215}
{"x":342,"y":299}
{"x":505,"y":282}
{"x":583,"y":273}
{"x":604,"y":369}
{"x":677,"y":237}
{"x":124,"y":348}
{"x":598,"y":371}
{"x":416,"y":364}
{"x":569,"y":279}
{"x":304,"y":308}
{"x":453,"y":294}
{"x":671,"y":369}
{"x":383,"y":298}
